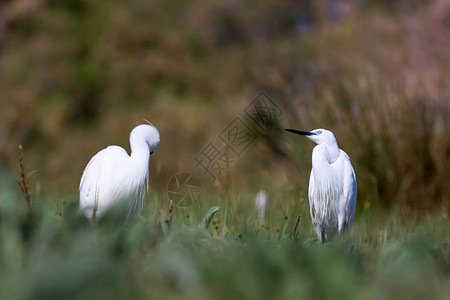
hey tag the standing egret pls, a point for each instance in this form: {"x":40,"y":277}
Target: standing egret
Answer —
{"x":113,"y":176}
{"x":332,"y":185}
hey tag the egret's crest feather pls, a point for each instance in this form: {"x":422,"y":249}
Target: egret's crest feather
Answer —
{"x":148,"y":122}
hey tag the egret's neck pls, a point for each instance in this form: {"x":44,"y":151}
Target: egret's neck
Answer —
{"x":140,"y":153}
{"x":325,"y":154}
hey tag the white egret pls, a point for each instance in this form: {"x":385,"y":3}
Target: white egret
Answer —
{"x":332,"y":186}
{"x":260,"y":205}
{"x":113,"y":176}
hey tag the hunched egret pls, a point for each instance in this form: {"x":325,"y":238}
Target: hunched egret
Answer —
{"x":332,"y":186}
{"x":112,"y":176}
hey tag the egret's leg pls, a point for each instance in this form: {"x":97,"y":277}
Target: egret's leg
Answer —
{"x":341,"y":223}
{"x":342,"y":216}
{"x":323,"y":236}
{"x":94,"y":215}
{"x":319,"y":232}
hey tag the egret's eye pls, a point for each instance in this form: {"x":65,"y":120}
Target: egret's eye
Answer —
{"x":319,"y":132}
{"x":151,"y":152}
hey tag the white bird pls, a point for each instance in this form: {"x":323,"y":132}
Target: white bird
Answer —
{"x":112,"y":176}
{"x":332,"y":186}
{"x":260,"y":205}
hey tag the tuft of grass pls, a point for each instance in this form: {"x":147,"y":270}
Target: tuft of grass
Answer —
{"x":24,"y":180}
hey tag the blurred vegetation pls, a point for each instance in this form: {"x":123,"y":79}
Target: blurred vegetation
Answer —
{"x":237,"y":256}
{"x":78,"y":75}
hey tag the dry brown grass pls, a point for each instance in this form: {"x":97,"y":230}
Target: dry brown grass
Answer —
{"x":83,"y":78}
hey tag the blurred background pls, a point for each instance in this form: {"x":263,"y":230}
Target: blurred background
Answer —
{"x":78,"y":75}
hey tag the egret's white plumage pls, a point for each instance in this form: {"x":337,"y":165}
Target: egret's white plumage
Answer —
{"x":113,"y":176}
{"x":332,"y":185}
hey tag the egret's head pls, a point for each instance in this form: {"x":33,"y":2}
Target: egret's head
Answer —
{"x":318,"y":136}
{"x":147,"y":133}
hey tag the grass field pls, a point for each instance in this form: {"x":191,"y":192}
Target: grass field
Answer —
{"x":59,"y":255}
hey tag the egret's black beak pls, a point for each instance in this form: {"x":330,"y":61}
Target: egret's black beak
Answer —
{"x":300,"y":132}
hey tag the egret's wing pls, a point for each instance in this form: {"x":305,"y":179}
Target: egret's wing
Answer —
{"x":97,"y":189}
{"x":89,"y":187}
{"x":137,"y":197}
{"x":135,"y":188}
{"x":349,"y":191}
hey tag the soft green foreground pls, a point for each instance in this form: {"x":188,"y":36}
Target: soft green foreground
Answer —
{"x":235,"y":258}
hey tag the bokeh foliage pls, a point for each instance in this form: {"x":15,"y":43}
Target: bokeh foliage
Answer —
{"x":63,"y":256}
{"x":78,"y":75}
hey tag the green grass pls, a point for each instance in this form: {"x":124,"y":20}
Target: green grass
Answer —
{"x":56,"y":257}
